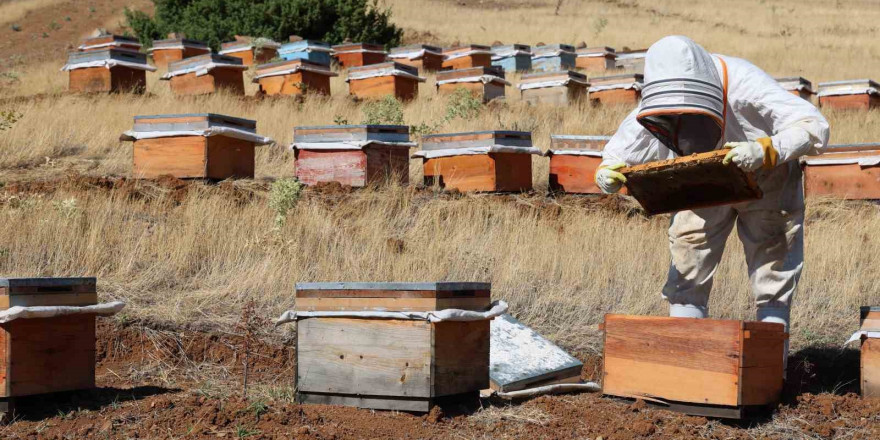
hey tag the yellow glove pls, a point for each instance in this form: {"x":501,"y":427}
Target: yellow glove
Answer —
{"x":750,"y":156}
{"x":609,"y":180}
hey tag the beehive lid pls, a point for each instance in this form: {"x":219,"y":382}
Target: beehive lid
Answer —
{"x":585,"y":142}
{"x":391,"y":290}
{"x":124,"y":55}
{"x":176,"y":43}
{"x":288,"y":66}
{"x":627,"y":78}
{"x":470,"y":72}
{"x":304,"y":45}
{"x":795,"y":83}
{"x":203,"y":60}
{"x":510,"y":48}
{"x":596,"y":51}
{"x":239,"y":45}
{"x":632,"y":54}
{"x":358,"y":47}
{"x":403,"y":50}
{"x":849,"y":87}
{"x":552,"y":49}
{"x":870,"y":318}
{"x":109,"y":40}
{"x":28,"y":286}
{"x":190,"y":122}
{"x":554,"y":75}
{"x":392,"y":297}
{"x":695,"y":181}
{"x":466,"y":49}
{"x":389,"y":66}
{"x":477,"y":139}
{"x":342,"y":133}
{"x":863,"y":154}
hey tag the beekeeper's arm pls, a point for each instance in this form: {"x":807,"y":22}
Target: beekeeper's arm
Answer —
{"x":632,"y":144}
{"x":794,"y":126}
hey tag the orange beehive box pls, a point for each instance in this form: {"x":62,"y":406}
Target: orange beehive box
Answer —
{"x":107,"y":71}
{"x":380,"y":80}
{"x":206,"y":74}
{"x":165,"y":52}
{"x":711,"y":367}
{"x":293,"y":77}
{"x":350,"y":55}
{"x":197,"y":146}
{"x":485,"y":83}
{"x":40,"y":355}
{"x":251,"y":50}
{"x":563,"y":87}
{"x":596,"y":59}
{"x":465,"y":57}
{"x":574,"y":161}
{"x":870,"y":351}
{"x":844,"y":171}
{"x":483,"y":161}
{"x":110,"y":42}
{"x":861,"y":94}
{"x":394,"y":361}
{"x":616,"y":89}
{"x":798,"y":86}
{"x":421,"y":56}
{"x":353,"y":155}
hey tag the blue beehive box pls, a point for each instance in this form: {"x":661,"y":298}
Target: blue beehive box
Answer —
{"x":512,"y":57}
{"x":553,"y":57}
{"x":311,"y":50}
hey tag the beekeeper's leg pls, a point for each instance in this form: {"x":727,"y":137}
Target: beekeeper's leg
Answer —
{"x":774,"y":247}
{"x":696,"y":242}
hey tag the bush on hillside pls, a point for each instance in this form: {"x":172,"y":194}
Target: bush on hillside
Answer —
{"x":217,"y":21}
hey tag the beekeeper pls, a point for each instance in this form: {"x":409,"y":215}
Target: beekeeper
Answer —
{"x":695,"y":102}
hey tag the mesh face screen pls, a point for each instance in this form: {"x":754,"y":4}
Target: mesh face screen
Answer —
{"x":684,"y":134}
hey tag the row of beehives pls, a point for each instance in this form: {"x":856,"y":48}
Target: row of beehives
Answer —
{"x":409,"y":346}
{"x":216,"y":147}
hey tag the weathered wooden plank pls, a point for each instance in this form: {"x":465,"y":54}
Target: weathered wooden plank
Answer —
{"x":191,"y":122}
{"x":58,"y":299}
{"x":391,"y":304}
{"x":382,"y":293}
{"x":230,"y":158}
{"x":28,"y":286}
{"x":462,"y":173}
{"x":870,"y":318}
{"x":845,"y":181}
{"x":342,"y":133}
{"x":182,"y":157}
{"x":870,"y":367}
{"x":574,"y":174}
{"x":388,"y":403}
{"x":460,"y":357}
{"x":348,"y":167}
{"x":477,"y":139}
{"x":850,"y":102}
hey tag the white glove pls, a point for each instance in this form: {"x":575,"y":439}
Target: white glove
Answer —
{"x":609,"y":180}
{"x":749,"y":156}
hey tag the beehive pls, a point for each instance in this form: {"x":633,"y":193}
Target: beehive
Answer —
{"x":485,"y":83}
{"x":310,"y":50}
{"x":465,"y":57}
{"x":552,"y":57}
{"x":616,"y":89}
{"x":596,"y":59}
{"x":390,"y":363}
{"x":870,"y":352}
{"x":380,"y":80}
{"x":110,"y":42}
{"x":483,"y":161}
{"x":353,"y":155}
{"x":563,"y":87}
{"x":849,"y":171}
{"x":46,"y":355}
{"x":631,"y":60}
{"x":107,"y":71}
{"x":711,"y":367}
{"x":359,"y":54}
{"x":421,"y":56}
{"x":861,"y":94}
{"x":165,"y":52}
{"x":512,"y":57}
{"x":197,"y":146}
{"x":205,"y":74}
{"x":294,"y":77}
{"x":574,"y":161}
{"x":251,"y":50}
{"x":797,"y":86}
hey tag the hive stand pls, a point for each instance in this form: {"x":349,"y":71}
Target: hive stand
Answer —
{"x":466,"y":57}
{"x":850,"y":171}
{"x":616,"y":89}
{"x":107,"y":71}
{"x":421,"y":56}
{"x":596,"y":59}
{"x":556,"y":88}
{"x":310,"y":50}
{"x":294,"y":77}
{"x":554,"y":57}
{"x":798,"y":86}
{"x":251,"y":51}
{"x":377,"y":81}
{"x":512,"y":57}
{"x":165,"y":52}
{"x":861,"y":94}
{"x":206,"y":74}
{"x":574,"y":161}
{"x":359,"y":54}
{"x":484,"y":83}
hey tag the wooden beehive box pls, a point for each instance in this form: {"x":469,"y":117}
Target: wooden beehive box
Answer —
{"x":251,"y":50}
{"x":107,"y":71}
{"x":616,"y":89}
{"x":193,"y":146}
{"x":380,"y":80}
{"x":596,"y":59}
{"x":512,"y":57}
{"x":552,"y":57}
{"x":798,"y":86}
{"x":574,"y":161}
{"x":465,"y":57}
{"x":350,"y":55}
{"x":391,"y":364}
{"x":485,"y":83}
{"x":861,"y":94}
{"x":293,"y":77}
{"x":690,"y":182}
{"x":870,"y":351}
{"x":206,"y":74}
{"x":844,"y":171}
{"x":165,"y":52}
{"x":631,"y":60}
{"x":110,"y":42}
{"x":353,"y":155}
{"x":563,"y":87}
{"x":711,"y":367}
{"x":421,"y":56}
{"x":46,"y":355}
{"x":310,"y":50}
{"x":483,"y":161}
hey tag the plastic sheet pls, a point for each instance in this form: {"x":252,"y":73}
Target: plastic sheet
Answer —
{"x":108,"y":64}
{"x":347,"y":145}
{"x":498,"y":308}
{"x":485,"y":79}
{"x":202,"y":69}
{"x":390,"y":71}
{"x":553,"y":83}
{"x":132,"y":135}
{"x":19,"y":312}
{"x":431,"y":154}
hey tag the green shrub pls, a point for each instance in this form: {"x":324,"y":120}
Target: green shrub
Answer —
{"x":387,"y":110}
{"x":463,"y":104}
{"x":283,"y":197}
{"x":8,"y":118}
{"x":216,"y":21}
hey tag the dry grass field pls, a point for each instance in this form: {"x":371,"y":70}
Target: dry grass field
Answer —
{"x":194,"y":253}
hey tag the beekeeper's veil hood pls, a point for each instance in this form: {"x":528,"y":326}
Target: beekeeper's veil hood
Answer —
{"x":683,"y":100}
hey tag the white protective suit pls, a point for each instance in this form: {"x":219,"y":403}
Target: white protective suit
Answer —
{"x":680,"y":76}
